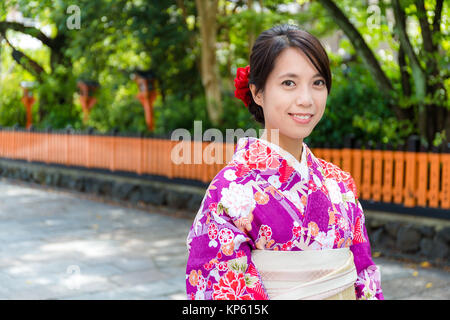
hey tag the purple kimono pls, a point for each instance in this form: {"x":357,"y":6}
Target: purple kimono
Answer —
{"x":264,"y":198}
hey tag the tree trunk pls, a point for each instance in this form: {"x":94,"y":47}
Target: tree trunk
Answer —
{"x":207,"y":11}
{"x":404,"y":113}
{"x":436,"y":112}
{"x":418,"y":74}
{"x":360,"y":46}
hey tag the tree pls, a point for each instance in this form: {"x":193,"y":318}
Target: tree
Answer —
{"x":59,"y":65}
{"x":423,"y":97}
{"x":115,"y":37}
{"x":207,"y":13}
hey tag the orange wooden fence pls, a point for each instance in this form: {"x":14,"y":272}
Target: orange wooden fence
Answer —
{"x":400,"y":177}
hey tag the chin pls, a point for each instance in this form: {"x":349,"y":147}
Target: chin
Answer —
{"x":297,"y":135}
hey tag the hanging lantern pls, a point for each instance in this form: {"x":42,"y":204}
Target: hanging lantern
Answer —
{"x":28,"y":100}
{"x":86,"y":90}
{"x":147,"y":94}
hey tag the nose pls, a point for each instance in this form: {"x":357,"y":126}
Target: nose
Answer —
{"x":304,"y":98}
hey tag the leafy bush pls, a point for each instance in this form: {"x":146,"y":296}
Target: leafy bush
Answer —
{"x":355,"y":107}
{"x":12,"y":110}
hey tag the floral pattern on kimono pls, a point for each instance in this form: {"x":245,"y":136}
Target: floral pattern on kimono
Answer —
{"x":266,"y":199}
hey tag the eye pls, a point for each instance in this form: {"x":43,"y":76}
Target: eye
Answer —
{"x":319,"y":83}
{"x":289,"y":81}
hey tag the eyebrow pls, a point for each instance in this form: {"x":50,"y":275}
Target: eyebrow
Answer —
{"x":294,"y":75}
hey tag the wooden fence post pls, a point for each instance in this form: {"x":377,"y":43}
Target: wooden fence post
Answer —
{"x":356,"y":165}
{"x":388,"y":161}
{"x":347,"y":154}
{"x":411,"y":174}
{"x":422,"y":176}
{"x":433,"y":193}
{"x":399,"y":157}
{"x":366,"y":187}
{"x":445,"y":190}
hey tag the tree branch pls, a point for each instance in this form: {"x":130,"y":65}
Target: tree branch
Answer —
{"x":400,"y":27}
{"x":360,"y":46}
{"x":404,"y":74}
{"x":26,"y":62}
{"x":437,"y":16}
{"x":180,"y":4}
{"x":425,"y":26}
{"x":34,"y":32}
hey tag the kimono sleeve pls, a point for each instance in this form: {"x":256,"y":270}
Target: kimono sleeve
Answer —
{"x":219,"y":265}
{"x":368,"y":282}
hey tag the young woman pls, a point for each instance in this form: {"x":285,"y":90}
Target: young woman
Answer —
{"x":276,"y":222}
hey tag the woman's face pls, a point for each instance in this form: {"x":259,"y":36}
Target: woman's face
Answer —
{"x":293,"y":87}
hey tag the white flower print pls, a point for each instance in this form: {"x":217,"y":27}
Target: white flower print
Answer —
{"x":333,"y":190}
{"x":226,"y":236}
{"x":324,"y":240}
{"x":215,"y":274}
{"x":201,"y":285}
{"x":212,"y":243}
{"x":343,"y":224}
{"x":328,"y":241}
{"x":265,"y":231}
{"x":238,"y":240}
{"x":238,"y":199}
{"x":275,"y":181}
{"x":230,"y":175}
{"x":200,"y":295}
{"x":213,"y":231}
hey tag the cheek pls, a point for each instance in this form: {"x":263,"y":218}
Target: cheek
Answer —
{"x":275,"y":105}
{"x":320,"y":100}
{"x":282,"y":100}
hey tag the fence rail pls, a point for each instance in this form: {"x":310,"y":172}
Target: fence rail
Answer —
{"x":406,"y":177}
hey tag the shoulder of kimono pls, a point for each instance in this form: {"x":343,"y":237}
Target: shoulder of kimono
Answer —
{"x":330,"y":165}
{"x":340,"y":175}
{"x":222,"y":180}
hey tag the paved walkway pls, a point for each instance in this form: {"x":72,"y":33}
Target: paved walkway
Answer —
{"x":60,"y":245}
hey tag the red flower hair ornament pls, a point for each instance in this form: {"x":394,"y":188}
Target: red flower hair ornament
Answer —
{"x":241,"y":83}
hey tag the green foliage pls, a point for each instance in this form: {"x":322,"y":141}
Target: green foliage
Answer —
{"x":56,"y":98}
{"x":12,"y":110}
{"x":119,"y":36}
{"x":355,"y":107}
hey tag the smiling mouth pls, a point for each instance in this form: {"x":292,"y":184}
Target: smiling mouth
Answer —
{"x":301,"y":116}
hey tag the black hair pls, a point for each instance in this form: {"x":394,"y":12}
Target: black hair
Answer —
{"x":267,"y":48}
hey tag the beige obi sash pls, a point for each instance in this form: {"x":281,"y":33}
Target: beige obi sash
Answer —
{"x":310,"y":274}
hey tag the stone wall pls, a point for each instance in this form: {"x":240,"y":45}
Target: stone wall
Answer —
{"x":409,"y":237}
{"x":393,"y":235}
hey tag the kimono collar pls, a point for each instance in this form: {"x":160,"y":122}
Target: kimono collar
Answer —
{"x":273,"y":156}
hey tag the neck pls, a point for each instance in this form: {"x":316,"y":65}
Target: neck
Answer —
{"x":293,"y":146}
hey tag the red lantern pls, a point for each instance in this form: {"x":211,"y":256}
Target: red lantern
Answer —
{"x":147,"y":94}
{"x":28,"y":100}
{"x":87,"y":99}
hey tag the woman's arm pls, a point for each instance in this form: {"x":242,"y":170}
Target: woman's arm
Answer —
{"x":219,"y":265}
{"x":368,"y":283}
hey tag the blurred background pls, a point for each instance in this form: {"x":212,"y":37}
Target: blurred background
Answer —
{"x":387,"y":64}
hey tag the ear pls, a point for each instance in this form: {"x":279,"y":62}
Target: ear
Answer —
{"x":257,"y":97}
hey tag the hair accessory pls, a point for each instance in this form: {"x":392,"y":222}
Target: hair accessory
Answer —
{"x":241,"y":84}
